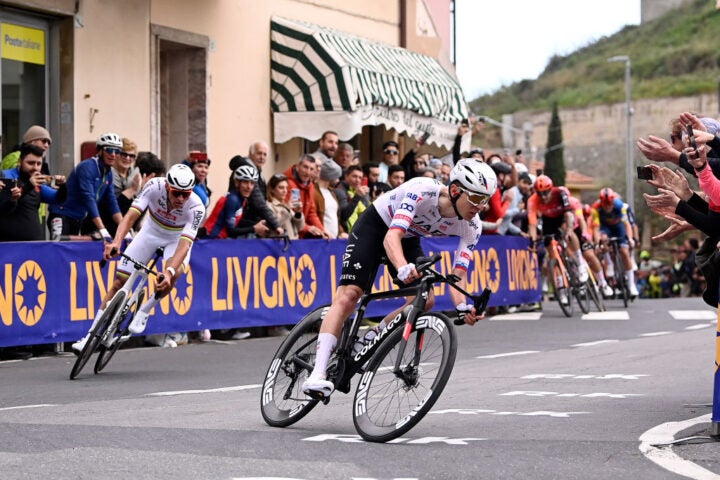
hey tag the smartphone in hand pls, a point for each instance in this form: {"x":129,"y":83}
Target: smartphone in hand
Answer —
{"x":644,"y":173}
{"x":294,"y":195}
{"x":691,"y":138}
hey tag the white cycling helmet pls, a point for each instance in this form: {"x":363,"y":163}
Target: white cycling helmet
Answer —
{"x":109,"y":140}
{"x":475,"y":176}
{"x":246,"y":172}
{"x":180,"y":177}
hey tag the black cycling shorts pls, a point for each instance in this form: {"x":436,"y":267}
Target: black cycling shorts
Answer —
{"x":365,"y":250}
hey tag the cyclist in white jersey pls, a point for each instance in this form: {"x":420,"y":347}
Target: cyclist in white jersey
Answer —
{"x":174,"y":216}
{"x":393,"y":226}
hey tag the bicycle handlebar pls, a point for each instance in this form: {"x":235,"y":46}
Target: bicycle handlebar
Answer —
{"x":424,"y":264}
{"x":138,"y":265}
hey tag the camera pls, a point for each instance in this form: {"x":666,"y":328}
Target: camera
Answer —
{"x":9,"y":182}
{"x":644,"y":173}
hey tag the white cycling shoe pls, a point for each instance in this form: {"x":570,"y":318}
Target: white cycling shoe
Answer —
{"x":607,"y":291}
{"x":633,"y":290}
{"x":79,"y":345}
{"x":138,"y":323}
{"x":316,"y":386}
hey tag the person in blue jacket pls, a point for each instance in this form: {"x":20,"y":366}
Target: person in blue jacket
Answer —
{"x":89,"y":184}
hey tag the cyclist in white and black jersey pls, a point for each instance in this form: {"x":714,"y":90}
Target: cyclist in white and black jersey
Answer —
{"x":393,"y":226}
{"x":174,"y":214}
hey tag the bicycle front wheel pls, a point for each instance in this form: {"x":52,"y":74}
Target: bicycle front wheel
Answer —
{"x":594,"y":293}
{"x":282,"y":401}
{"x":121,"y":330}
{"x":388,"y":403}
{"x":98,"y":333}
{"x":620,"y":278}
{"x":579,"y":290}
{"x":562,"y":295}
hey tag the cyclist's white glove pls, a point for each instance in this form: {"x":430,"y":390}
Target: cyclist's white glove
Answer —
{"x":462,"y":309}
{"x":405,"y":271}
{"x":106,"y":235}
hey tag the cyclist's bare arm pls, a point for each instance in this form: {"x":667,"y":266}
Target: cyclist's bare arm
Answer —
{"x":173,"y":266}
{"x":394,"y":251}
{"x":127,"y":222}
{"x":458,"y":298}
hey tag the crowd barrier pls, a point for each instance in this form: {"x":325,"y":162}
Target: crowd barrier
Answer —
{"x":49,"y":291}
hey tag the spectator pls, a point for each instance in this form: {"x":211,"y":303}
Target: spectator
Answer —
{"x":396,"y":176}
{"x":200,"y":165}
{"x":126,"y":183}
{"x":344,"y":155}
{"x":35,"y":135}
{"x":330,"y":173}
{"x":24,"y":188}
{"x":89,"y":184}
{"x":258,"y":200}
{"x":391,"y":152}
{"x":371,"y":174}
{"x":300,"y":177}
{"x":327,"y":146}
{"x":290,"y":215}
{"x":353,"y":196}
{"x":149,"y":166}
{"x":444,"y":175}
{"x":235,"y":217}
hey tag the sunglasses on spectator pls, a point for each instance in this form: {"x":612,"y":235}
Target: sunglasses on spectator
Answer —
{"x":391,"y":152}
{"x":131,"y":156}
{"x":421,"y":163}
{"x":279,"y":176}
{"x":476,"y":199}
{"x":113,"y":150}
{"x":46,"y":140}
{"x":180,"y":193}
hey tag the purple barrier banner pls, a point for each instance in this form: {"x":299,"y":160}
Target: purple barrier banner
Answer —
{"x":49,"y":292}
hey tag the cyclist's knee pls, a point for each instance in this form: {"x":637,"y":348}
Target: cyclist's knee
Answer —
{"x":348,"y":295}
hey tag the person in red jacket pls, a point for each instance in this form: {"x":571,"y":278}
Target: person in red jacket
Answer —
{"x":300,"y":181}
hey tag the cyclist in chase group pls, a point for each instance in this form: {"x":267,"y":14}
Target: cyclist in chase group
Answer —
{"x":174,"y":216}
{"x":393,"y":226}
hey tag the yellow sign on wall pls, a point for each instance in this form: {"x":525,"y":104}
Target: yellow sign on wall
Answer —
{"x":23,"y":44}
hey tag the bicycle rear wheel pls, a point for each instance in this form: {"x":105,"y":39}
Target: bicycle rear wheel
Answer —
{"x":561,"y":291}
{"x":97,"y":333}
{"x":388,"y":404}
{"x":282,"y":401}
{"x":105,"y":354}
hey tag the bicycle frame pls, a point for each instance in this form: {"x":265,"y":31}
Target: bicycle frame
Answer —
{"x":132,"y":292}
{"x":558,"y":251}
{"x":349,"y":364}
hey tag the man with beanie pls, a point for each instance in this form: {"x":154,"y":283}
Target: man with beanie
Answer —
{"x":35,"y":135}
{"x":330,"y":173}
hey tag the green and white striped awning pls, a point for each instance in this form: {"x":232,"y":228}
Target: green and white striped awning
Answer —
{"x":323,"y":79}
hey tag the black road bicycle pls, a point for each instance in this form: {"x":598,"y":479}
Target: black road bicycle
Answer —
{"x":403,"y":370}
{"x":618,"y":281}
{"x":112,"y":329}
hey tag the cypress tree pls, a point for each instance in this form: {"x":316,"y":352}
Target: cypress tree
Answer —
{"x":554,"y":153}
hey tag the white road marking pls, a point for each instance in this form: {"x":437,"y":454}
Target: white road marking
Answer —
{"x":592,"y":344}
{"x":665,"y":457}
{"x":517,"y":316}
{"x":509,"y":354}
{"x":211,"y":390}
{"x":541,"y":413}
{"x":693,"y":314}
{"x":698,"y":326}
{"x":562,"y":376}
{"x":655,"y":334}
{"x":28,"y":406}
{"x":615,"y":315}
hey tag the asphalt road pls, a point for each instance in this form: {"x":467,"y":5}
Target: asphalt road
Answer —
{"x":535,"y":395}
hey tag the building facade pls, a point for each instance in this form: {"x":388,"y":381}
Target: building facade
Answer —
{"x":180,"y":75}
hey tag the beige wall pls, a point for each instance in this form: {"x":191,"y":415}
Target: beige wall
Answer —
{"x":112,"y":74}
